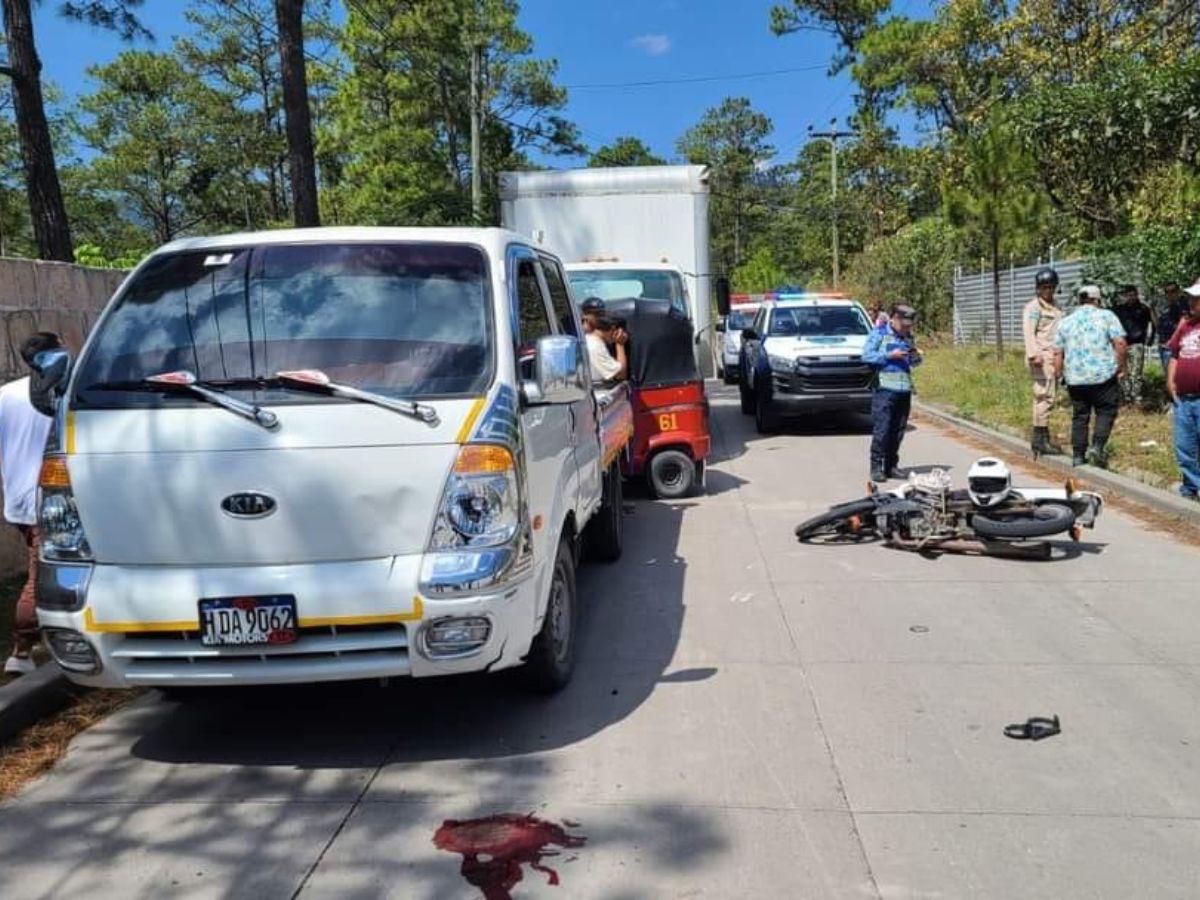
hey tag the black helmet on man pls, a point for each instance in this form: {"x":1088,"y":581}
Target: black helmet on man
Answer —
{"x":1046,"y":276}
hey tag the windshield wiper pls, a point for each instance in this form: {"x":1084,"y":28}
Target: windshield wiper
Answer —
{"x":316,"y":380}
{"x":185,"y":380}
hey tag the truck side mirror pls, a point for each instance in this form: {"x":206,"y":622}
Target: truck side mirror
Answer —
{"x":51,"y":372}
{"x":721,"y":286}
{"x":720,"y":326}
{"x":559,"y":375}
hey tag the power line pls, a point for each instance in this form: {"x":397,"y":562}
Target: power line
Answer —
{"x":695,"y":79}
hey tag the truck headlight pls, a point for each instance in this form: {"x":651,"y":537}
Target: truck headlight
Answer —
{"x":781,"y":363}
{"x":61,"y":528}
{"x":481,"y":503}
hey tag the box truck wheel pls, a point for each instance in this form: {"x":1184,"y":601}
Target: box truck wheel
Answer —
{"x":551,"y":658}
{"x":672,"y":474}
{"x":602,"y":536}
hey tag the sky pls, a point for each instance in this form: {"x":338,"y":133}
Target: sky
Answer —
{"x":712,"y":49}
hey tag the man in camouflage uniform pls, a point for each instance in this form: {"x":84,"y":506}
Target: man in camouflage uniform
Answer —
{"x":1039,"y":323}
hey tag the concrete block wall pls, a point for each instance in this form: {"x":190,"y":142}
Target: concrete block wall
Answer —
{"x":44,"y":296}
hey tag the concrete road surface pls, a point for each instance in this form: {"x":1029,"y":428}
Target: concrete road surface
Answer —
{"x":750,"y":718}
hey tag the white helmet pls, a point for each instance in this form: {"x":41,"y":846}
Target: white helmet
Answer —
{"x":988,"y":481}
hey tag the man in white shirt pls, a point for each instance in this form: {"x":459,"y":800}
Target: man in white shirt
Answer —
{"x":23,"y":434}
{"x":599,"y":332}
{"x":606,"y":367}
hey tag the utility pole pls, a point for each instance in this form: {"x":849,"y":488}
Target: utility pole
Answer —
{"x":476,"y":133}
{"x":833,"y":136}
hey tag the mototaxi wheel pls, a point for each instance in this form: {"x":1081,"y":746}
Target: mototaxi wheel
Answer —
{"x":672,"y":474}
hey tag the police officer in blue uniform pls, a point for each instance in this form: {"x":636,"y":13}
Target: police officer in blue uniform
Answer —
{"x":891,"y":351}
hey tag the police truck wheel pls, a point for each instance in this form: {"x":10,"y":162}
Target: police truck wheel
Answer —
{"x":551,"y":658}
{"x":766,"y":420}
{"x":602,"y":536}
{"x":672,"y":474}
{"x":729,"y":376}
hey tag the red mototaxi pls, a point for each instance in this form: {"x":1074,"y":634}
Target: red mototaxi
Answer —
{"x":671,"y":437}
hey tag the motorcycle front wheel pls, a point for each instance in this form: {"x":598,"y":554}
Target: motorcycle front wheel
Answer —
{"x":843,"y":520}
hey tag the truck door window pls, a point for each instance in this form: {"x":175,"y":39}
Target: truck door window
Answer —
{"x":534,"y":320}
{"x":560,"y":299}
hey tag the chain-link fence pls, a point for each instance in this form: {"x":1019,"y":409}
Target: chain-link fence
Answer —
{"x":974,"y":313}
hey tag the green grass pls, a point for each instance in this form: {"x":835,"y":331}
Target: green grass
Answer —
{"x":969,"y":381}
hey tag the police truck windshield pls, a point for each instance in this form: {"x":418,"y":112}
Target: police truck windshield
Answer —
{"x":818,"y":321}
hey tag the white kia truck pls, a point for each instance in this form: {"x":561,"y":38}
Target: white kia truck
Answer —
{"x":327,"y":454}
{"x":801,"y":354}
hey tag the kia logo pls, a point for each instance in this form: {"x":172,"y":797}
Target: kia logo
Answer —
{"x":248,"y":505}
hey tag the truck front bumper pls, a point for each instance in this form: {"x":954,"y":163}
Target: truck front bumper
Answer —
{"x":799,"y":404}
{"x":359,"y":619}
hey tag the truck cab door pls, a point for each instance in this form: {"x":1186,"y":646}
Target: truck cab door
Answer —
{"x":584,"y":424}
{"x":547,"y":430}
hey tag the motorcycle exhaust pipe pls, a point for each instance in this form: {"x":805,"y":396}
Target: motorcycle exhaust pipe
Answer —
{"x":1038,"y":550}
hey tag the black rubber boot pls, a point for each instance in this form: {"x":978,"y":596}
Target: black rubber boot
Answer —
{"x":1098,"y":456}
{"x":1041,"y":444}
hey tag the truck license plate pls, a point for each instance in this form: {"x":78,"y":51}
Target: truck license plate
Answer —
{"x":239,"y":621}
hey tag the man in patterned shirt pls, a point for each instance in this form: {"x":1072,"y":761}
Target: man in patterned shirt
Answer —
{"x":1090,"y":351}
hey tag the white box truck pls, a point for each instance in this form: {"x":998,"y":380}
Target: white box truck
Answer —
{"x":628,"y":226}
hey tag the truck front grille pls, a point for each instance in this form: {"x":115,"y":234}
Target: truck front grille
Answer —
{"x":155,"y":658}
{"x":815,"y":377}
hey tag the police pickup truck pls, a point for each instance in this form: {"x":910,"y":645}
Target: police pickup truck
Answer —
{"x":803,"y":354}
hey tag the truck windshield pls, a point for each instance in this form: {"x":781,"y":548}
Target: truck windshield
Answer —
{"x":740,"y":318}
{"x":402,"y":320}
{"x":619,"y":284}
{"x":818,"y":321}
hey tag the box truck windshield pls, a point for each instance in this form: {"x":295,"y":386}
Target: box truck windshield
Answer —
{"x":619,"y":284}
{"x":400,"y":320}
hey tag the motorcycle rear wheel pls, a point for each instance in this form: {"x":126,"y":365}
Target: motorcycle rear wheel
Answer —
{"x":1044,"y":520}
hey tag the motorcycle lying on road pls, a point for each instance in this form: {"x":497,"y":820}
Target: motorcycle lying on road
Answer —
{"x":990,"y":517}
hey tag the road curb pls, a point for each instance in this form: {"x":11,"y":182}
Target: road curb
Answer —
{"x":1160,"y":501}
{"x":32,"y":697}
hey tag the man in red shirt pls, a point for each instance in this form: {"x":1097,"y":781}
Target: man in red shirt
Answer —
{"x":1183,"y":383}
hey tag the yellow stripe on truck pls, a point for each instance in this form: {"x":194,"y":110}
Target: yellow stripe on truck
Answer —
{"x":414,"y":615}
{"x":469,"y":422}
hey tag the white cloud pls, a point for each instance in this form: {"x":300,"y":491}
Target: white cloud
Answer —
{"x":652,"y":44}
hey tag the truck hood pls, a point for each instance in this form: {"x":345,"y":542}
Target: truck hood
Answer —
{"x":348,"y":480}
{"x":819,"y":346}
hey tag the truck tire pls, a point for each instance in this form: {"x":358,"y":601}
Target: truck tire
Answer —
{"x":551,"y":659}
{"x":672,"y":474}
{"x":744,"y":395}
{"x":766,"y":420}
{"x":729,"y":376}
{"x":1046,"y":519}
{"x":602,"y":536}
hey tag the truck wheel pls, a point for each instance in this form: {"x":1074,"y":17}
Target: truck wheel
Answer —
{"x":602,"y":536}
{"x":745,"y":396}
{"x":672,"y":474}
{"x":729,"y":376}
{"x":551,"y":658}
{"x":766,"y":421}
